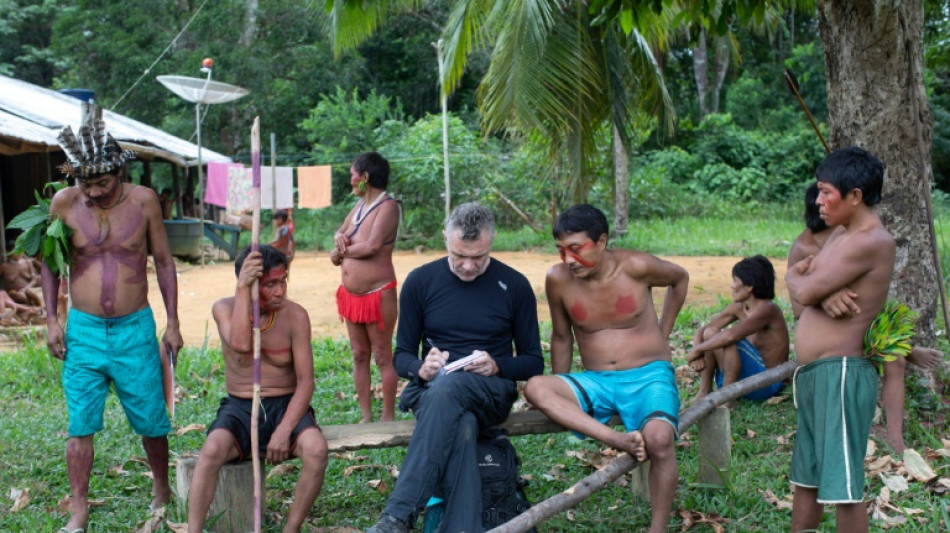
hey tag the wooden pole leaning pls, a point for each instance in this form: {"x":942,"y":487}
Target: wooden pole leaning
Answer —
{"x":256,"y":318}
{"x":625,"y":462}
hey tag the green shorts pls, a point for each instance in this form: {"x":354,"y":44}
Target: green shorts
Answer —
{"x":122,"y":351}
{"x":835,"y":398}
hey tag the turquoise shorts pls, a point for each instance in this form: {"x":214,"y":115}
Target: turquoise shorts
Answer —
{"x":835,"y":398}
{"x":122,"y":351}
{"x":752,"y":364}
{"x":637,"y":395}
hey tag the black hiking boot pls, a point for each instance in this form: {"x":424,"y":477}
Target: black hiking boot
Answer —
{"x":389,"y":524}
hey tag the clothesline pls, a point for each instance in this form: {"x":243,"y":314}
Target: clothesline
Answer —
{"x":229,"y":186}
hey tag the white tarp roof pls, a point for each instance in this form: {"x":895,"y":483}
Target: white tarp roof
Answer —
{"x":31,"y":117}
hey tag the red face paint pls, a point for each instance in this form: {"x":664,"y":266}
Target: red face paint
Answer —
{"x":626,"y":305}
{"x":273,"y":287}
{"x":579,"y":312}
{"x":574,"y":252}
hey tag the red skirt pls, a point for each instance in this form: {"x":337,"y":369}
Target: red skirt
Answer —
{"x":362,"y":308}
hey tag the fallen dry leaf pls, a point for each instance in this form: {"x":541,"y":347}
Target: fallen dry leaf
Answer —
{"x":189,"y":428}
{"x":917,"y":466}
{"x":379,"y":485}
{"x":348,"y":471}
{"x":895,"y":484}
{"x":776,"y":399}
{"x":872,"y":449}
{"x":771,"y":498}
{"x":282,"y":470}
{"x":879,"y":465}
{"x":63,"y":503}
{"x":749,"y":434}
{"x":713,"y":520}
{"x":21,"y":498}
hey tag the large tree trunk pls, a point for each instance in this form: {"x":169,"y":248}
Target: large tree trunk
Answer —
{"x":876,"y":100}
{"x":622,"y":184}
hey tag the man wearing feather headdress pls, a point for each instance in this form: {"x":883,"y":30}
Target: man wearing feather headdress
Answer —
{"x":110,"y":332}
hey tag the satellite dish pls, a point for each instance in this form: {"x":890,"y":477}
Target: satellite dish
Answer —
{"x":202,"y":91}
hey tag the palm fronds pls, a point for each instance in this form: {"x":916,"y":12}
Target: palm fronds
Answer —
{"x":890,"y":334}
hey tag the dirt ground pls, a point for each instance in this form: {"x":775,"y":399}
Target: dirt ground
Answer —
{"x":314,"y":282}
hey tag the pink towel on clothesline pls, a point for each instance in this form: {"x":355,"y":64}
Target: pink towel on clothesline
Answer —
{"x":216,"y":186}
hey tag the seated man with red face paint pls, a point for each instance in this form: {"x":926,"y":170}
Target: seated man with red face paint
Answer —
{"x":757,"y":339}
{"x":603,"y":298}
{"x":285,"y":419}
{"x":110,"y":341}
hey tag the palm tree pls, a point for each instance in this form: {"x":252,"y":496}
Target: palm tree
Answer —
{"x":554,"y":74}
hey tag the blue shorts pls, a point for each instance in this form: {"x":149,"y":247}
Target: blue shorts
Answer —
{"x":122,"y":351}
{"x":752,"y":364}
{"x":637,"y":395}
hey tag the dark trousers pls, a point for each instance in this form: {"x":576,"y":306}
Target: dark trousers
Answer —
{"x":449,"y":413}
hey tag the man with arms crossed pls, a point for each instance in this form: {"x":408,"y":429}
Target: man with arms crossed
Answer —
{"x":604,"y":299}
{"x":836,"y":390}
{"x":465,"y":304}
{"x":110,"y":332}
{"x":286,"y":423}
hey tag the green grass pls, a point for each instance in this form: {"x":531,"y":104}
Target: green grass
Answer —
{"x":33,"y":424}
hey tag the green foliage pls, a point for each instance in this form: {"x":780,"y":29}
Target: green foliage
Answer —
{"x":25,"y":33}
{"x":890,"y":335}
{"x":43,"y":237}
{"x":417,"y":178}
{"x":344,"y":125}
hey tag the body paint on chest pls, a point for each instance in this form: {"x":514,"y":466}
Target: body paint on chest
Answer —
{"x":625,"y":305}
{"x":578,"y":311}
{"x":110,"y":254}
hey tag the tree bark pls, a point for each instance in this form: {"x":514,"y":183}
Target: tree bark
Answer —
{"x":721,"y":58}
{"x":621,"y":190}
{"x":877,"y":100}
{"x":700,"y":69}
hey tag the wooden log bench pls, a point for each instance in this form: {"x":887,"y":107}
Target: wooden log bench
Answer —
{"x":233,"y":497}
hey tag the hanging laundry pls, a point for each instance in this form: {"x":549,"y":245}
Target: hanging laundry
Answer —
{"x":216,"y":186}
{"x":239,"y":190}
{"x":314,"y":186}
{"x":284,"y":188}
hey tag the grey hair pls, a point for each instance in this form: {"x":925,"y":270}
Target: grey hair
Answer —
{"x":471,"y":220}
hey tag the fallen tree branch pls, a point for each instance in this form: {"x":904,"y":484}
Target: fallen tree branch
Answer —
{"x":582,"y":490}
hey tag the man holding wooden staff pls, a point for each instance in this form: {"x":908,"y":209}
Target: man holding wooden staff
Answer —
{"x":286,"y":423}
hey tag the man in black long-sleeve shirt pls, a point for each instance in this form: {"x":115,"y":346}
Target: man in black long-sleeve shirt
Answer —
{"x":465,"y":304}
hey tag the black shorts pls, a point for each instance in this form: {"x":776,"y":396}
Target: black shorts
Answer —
{"x":234,"y":415}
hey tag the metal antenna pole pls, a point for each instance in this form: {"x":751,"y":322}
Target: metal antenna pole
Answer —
{"x":201,"y":184}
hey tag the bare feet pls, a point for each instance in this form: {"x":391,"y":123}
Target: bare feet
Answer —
{"x":924,"y":357}
{"x":78,"y":515}
{"x":634,"y":444}
{"x":896,"y":442}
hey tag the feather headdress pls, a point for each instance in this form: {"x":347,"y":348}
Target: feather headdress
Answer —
{"x":93,"y":152}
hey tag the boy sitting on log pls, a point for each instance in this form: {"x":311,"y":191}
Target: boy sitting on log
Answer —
{"x":757,"y":341}
{"x":286,"y":423}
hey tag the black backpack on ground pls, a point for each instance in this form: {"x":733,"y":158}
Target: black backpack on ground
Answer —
{"x":503,"y":495}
